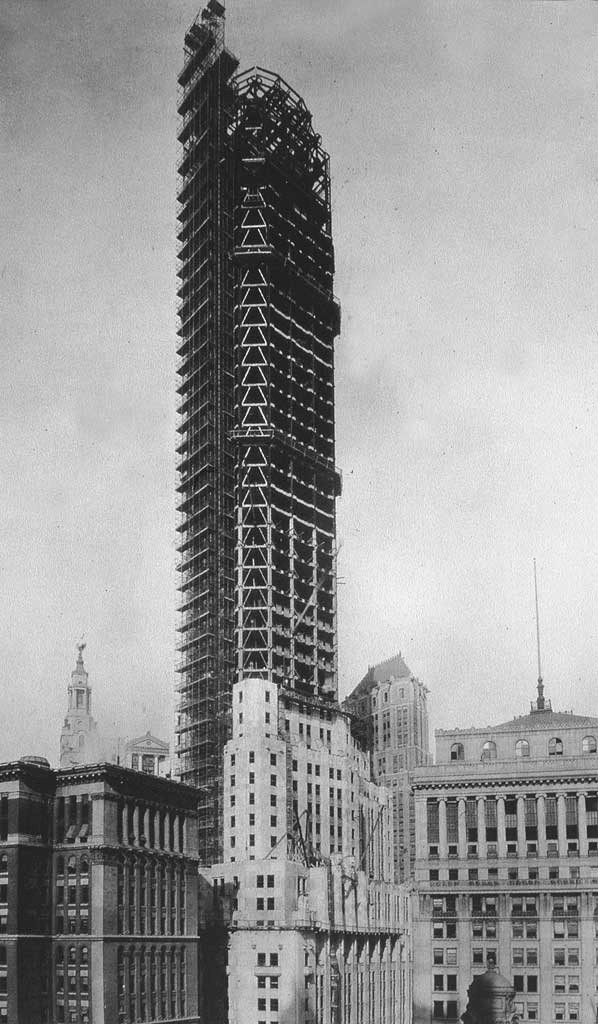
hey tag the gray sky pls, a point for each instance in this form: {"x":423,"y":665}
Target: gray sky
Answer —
{"x":464,"y":148}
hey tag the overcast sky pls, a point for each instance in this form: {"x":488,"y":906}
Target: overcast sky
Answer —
{"x":464,"y":148}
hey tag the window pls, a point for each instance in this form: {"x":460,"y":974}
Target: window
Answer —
{"x":457,"y":752}
{"x":589,"y":745}
{"x":489,"y":751}
{"x":273,"y":760}
{"x":522,"y":748}
{"x":555,"y":746}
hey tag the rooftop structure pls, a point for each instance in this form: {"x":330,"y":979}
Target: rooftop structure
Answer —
{"x":256,"y":473}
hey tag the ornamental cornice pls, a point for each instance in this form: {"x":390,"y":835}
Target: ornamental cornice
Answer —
{"x":549,"y":781}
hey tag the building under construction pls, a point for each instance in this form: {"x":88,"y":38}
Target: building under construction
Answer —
{"x":257,"y":481}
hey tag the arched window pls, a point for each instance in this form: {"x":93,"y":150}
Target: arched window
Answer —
{"x":457,"y":752}
{"x":3,"y":864}
{"x":589,"y":745}
{"x":85,"y":955}
{"x":489,"y":751}
{"x":72,"y":866}
{"x":84,"y":866}
{"x":555,"y":746}
{"x":522,"y":748}
{"x":60,"y":865}
{"x":72,"y":954}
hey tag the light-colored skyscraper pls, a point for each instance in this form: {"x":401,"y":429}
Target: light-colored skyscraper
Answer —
{"x":390,"y":705}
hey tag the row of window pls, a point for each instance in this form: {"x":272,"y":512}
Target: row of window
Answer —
{"x":151,"y":899}
{"x":492,"y":875}
{"x":151,"y":984}
{"x":589,"y":745}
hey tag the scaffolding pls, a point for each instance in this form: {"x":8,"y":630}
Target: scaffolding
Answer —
{"x":257,"y":481}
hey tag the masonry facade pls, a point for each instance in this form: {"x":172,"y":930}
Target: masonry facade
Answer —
{"x":390,"y":706}
{"x":317,"y":930}
{"x":507,"y":866}
{"x":98,"y":896}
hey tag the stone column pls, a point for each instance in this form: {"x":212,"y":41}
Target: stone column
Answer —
{"x":541,"y":815}
{"x":501,"y":827}
{"x":562,"y":824}
{"x":442,"y":844}
{"x":137,"y":960}
{"x":582,"y":824}
{"x":521,"y":843}
{"x":481,"y":828}
{"x":462,"y":829}
{"x":135,"y":828}
{"x":124,"y":810}
{"x":421,"y":833}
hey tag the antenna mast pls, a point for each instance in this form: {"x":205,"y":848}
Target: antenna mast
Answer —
{"x":540,"y":703}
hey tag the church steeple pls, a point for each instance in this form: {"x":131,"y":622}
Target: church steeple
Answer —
{"x":78,"y":740}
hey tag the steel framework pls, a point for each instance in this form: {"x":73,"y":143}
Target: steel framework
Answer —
{"x":257,"y":477}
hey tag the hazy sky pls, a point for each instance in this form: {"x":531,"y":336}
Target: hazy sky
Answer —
{"x":464,"y":148}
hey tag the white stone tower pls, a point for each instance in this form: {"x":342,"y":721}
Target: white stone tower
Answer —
{"x":78,"y":739}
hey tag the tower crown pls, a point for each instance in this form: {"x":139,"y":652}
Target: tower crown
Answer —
{"x":78,"y":738}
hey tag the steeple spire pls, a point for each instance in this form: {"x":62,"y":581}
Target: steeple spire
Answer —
{"x":540,"y":704}
{"x":78,"y":740}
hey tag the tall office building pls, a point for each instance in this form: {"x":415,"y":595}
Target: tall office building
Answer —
{"x":507,"y":866}
{"x":302,"y":918}
{"x":98,"y":896}
{"x":391,"y":711}
{"x":256,"y":474}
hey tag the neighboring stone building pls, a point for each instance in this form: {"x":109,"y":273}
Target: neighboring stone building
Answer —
{"x":390,"y":705}
{"x":148,"y":754}
{"x":507,"y":865}
{"x":79,"y":742}
{"x":98,"y":896}
{"x":317,"y":930}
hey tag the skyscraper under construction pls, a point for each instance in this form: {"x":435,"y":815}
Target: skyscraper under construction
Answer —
{"x":257,"y":480}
